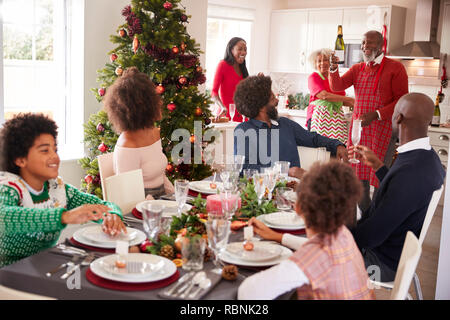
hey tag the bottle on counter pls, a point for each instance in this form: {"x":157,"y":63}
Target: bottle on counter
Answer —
{"x":437,"y":114}
{"x":339,"y":46}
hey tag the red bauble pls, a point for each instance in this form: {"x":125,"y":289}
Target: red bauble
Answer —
{"x":199,"y":69}
{"x":113,"y":57}
{"x":135,"y":44}
{"x":102,"y":148}
{"x":192,"y":139}
{"x":122,"y":33}
{"x":88,"y":179}
{"x":168,"y":6}
{"x":160,"y":89}
{"x":175,"y":50}
{"x":171,"y":107}
{"x":182,"y":80}
{"x":146,"y":246}
{"x":198,"y":112}
{"x":101,"y":92}
{"x":119,"y":71}
{"x":170,"y":168}
{"x":183,"y":18}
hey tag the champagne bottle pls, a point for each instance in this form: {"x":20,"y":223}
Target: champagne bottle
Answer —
{"x":437,"y":114}
{"x":339,"y":47}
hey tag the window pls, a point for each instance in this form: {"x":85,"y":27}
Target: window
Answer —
{"x":36,"y":64}
{"x":225,"y":23}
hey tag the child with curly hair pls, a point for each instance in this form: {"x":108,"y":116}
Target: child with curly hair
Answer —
{"x":35,"y":204}
{"x":327,"y":264}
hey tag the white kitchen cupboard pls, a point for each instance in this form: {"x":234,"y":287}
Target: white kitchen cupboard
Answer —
{"x":288,"y":41}
{"x":296,"y":33}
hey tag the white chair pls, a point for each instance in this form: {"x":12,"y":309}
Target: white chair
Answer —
{"x":105,"y":168}
{"x":310,"y":155}
{"x":426,"y":223}
{"x":13,"y":294}
{"x":125,"y":189}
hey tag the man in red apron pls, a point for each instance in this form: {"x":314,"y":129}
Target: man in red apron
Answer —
{"x":378,"y":82}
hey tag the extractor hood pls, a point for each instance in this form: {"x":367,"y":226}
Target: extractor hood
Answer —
{"x":424,"y":45}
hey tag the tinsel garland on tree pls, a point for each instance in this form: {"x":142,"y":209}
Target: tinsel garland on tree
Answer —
{"x":154,"y":39}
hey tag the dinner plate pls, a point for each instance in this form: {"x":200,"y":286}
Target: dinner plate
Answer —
{"x":284,"y":227}
{"x":204,"y":187}
{"x":261,"y":251}
{"x":232,"y":259}
{"x":170,"y":207}
{"x":78,"y":236}
{"x":164,"y":268}
{"x":284,"y":219}
{"x":96,"y":234}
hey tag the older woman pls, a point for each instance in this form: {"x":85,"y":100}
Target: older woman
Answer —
{"x":230,"y":71}
{"x":325,"y":115}
{"x":133,"y":106}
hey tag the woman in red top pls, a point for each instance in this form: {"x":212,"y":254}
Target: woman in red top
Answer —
{"x":230,"y":71}
{"x":325,"y":115}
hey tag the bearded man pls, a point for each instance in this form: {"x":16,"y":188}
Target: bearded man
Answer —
{"x":267,"y":138}
{"x":379,"y":82}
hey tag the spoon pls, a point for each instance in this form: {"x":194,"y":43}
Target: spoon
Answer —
{"x":195,"y":281}
{"x":205,"y":284}
{"x":180,"y":281}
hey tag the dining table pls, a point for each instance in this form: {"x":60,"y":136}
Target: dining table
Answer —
{"x":29,"y":275}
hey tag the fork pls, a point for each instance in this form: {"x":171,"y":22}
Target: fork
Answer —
{"x":87,"y":261}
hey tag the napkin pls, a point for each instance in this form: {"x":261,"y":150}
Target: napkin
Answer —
{"x":214,"y":277}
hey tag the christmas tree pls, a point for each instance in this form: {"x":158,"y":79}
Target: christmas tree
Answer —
{"x":154,"y":39}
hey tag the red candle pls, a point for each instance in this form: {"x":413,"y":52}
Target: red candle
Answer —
{"x":214,"y":203}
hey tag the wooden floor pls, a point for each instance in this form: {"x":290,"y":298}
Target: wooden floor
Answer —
{"x":427,"y":267}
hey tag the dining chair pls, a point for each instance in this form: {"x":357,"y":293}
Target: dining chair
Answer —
{"x":13,"y":294}
{"x":125,"y":189}
{"x":426,"y":224}
{"x":105,"y":168}
{"x":310,"y":155}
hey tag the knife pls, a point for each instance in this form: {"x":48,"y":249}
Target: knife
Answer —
{"x":63,"y":265}
{"x":87,"y":261}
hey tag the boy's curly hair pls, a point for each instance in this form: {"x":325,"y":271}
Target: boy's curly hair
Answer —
{"x":18,"y":135}
{"x":327,"y":196}
{"x":132,"y":102}
{"x":252,"y":94}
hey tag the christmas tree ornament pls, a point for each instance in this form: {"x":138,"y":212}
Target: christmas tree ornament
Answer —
{"x":113,"y":57}
{"x":88,"y":179}
{"x":101,"y":92}
{"x":135,"y":44}
{"x":168,"y":6}
{"x":119,"y":71}
{"x":170,"y":168}
{"x":171,"y":107}
{"x":175,"y":50}
{"x":184,"y":18}
{"x":199,"y":69}
{"x":183,"y":46}
{"x":100,"y":127}
{"x":96,"y":179}
{"x":182,"y":80}
{"x":167,"y":252}
{"x":207,"y":121}
{"x":102,"y":148}
{"x":192,"y":139}
{"x":160,"y":89}
{"x":198,"y":112}
{"x":123,"y":33}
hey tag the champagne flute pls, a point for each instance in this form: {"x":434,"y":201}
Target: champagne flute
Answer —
{"x":259,"y":181}
{"x":232,"y":109}
{"x":356,"y":137}
{"x":271,"y":180}
{"x":181,"y":192}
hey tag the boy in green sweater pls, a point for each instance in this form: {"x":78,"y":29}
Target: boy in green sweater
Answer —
{"x":35,"y":204}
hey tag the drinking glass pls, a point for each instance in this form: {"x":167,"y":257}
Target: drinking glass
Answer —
{"x":151,"y":218}
{"x":259,"y":181}
{"x":282,"y":167}
{"x":238,"y":163}
{"x":356,"y":137}
{"x":230,"y":203}
{"x":283,"y":198}
{"x":249,"y":173}
{"x":218,"y":230}
{"x":193,"y":252}
{"x":271,"y":180}
{"x":181,"y":192}
{"x":232,"y":109}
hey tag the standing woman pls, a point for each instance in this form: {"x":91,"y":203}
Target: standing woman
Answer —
{"x":133,"y":107}
{"x":325,"y":115}
{"x":230,"y":71}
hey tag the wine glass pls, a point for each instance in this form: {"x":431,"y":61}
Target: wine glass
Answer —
{"x":271,"y":180}
{"x":218,"y":230}
{"x":230,"y":202}
{"x":259,"y":181}
{"x":181,"y":192}
{"x":282,"y":167}
{"x":151,"y":218}
{"x":232,"y":109}
{"x":356,"y":137}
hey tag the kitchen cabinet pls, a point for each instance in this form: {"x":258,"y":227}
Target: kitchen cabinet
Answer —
{"x":296,"y":33}
{"x":439,"y":140}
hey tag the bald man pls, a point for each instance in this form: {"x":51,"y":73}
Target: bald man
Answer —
{"x":405,"y":189}
{"x":378,"y":82}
